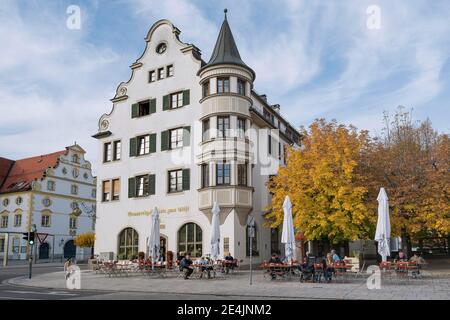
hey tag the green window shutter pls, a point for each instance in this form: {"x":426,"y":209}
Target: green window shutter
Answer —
{"x":164,"y":140}
{"x":151,"y":183}
{"x":186,"y":136}
{"x":166,"y":102}
{"x":152,"y":105}
{"x":131,"y":187}
{"x":135,"y":110}
{"x":186,"y":97}
{"x":153,"y":142}
{"x":186,"y":179}
{"x":133,"y":147}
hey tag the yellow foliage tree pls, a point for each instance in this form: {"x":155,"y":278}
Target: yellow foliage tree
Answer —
{"x":325,"y":184}
{"x":85,"y":240}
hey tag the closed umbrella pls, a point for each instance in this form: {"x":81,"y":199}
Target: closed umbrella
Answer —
{"x":215,"y":231}
{"x":154,"y":239}
{"x":288,"y":233}
{"x":383,"y":232}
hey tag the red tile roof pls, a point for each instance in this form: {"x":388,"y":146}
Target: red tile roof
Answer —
{"x":23,"y":172}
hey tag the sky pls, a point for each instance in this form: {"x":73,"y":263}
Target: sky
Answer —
{"x":329,"y":59}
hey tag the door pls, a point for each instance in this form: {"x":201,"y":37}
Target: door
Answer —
{"x":162,"y":248}
{"x":44,"y":250}
{"x":70,"y":249}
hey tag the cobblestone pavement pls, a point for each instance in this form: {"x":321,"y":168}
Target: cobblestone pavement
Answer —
{"x":431,"y":286}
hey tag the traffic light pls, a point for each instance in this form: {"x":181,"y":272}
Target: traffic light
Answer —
{"x":29,"y":236}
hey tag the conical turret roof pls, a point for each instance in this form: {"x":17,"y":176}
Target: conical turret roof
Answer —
{"x":225,"y":50}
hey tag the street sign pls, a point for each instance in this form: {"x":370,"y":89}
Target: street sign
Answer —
{"x":41,"y":237}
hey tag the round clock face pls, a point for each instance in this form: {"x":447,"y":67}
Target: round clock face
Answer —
{"x":161,"y":48}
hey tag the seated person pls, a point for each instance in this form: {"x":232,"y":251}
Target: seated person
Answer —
{"x":185,"y":265}
{"x":307,"y":268}
{"x":419,"y":260}
{"x":274,"y":259}
{"x":203,"y":265}
{"x":229,"y":263}
{"x":335,"y":256}
{"x":329,"y":267}
{"x":401,"y":256}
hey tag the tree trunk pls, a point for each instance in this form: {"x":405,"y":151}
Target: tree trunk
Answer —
{"x":406,"y":243}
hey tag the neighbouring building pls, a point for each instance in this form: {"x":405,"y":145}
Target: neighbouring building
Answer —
{"x":53,"y":193}
{"x":182,"y":134}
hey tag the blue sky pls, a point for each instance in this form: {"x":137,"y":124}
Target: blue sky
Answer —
{"x":315,"y":58}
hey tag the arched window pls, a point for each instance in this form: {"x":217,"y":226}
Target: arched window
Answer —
{"x":128,"y":244}
{"x":190,"y":239}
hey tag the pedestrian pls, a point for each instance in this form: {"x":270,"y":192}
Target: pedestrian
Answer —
{"x":67,"y":268}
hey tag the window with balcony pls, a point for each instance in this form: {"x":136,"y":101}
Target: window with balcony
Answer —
{"x":205,"y":175}
{"x":223,"y":173}
{"x":205,"y":130}
{"x":223,"y":85}
{"x":241,"y":87}
{"x":241,"y":127}
{"x":242,"y":174}
{"x":223,"y":127}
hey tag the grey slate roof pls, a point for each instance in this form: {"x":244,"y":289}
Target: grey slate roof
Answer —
{"x":225,"y":50}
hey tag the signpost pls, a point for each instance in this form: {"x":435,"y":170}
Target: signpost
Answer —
{"x":251,"y":235}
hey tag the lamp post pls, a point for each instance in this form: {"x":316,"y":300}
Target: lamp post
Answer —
{"x":251,"y":235}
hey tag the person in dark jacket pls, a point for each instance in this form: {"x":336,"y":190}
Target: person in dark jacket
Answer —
{"x":276,"y":260}
{"x":185,"y":264}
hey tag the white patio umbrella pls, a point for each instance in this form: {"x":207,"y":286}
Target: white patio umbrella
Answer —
{"x":288,"y":233}
{"x":383,"y":232}
{"x":215,"y":231}
{"x":154,"y":239}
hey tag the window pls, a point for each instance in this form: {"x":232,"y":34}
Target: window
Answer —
{"x":190,"y":239}
{"x":223,"y":85}
{"x":242,"y":174}
{"x":19,"y":201}
{"x":205,"y":89}
{"x":176,"y":100}
{"x":269,"y":144}
{"x":106,"y":190}
{"x":51,"y":185}
{"x":115,"y":189}
{"x":160,"y":73}
{"x":46,"y":202}
{"x":4,"y":221}
{"x":143,"y":146}
{"x":75,"y":173}
{"x":74,"y":189}
{"x":74,"y":205}
{"x":17,"y":220}
{"x":223,"y":127}
{"x":45,"y":220}
{"x":223,"y":173}
{"x":152,"y":76}
{"x":117,"y":150}
{"x":274,"y":241}
{"x":176,"y":138}
{"x":175,"y":181}
{"x":94,"y":193}
{"x":142,"y":186}
{"x":75,"y":158}
{"x":241,"y":87}
{"x":72,"y":222}
{"x":85,"y":175}
{"x":170,"y":71}
{"x":144,"y":108}
{"x":107,"y":152}
{"x":161,"y":48}
{"x":128,"y":244}
{"x":268,"y":116}
{"x":255,"y":251}
{"x":241,"y":127}
{"x":205,"y":129}
{"x":5,"y":202}
{"x":2,"y":245}
{"x":205,"y":175}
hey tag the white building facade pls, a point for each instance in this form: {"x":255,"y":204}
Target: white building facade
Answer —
{"x":53,"y":194}
{"x":181,"y":135}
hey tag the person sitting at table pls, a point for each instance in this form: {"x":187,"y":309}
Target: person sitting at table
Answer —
{"x":228,"y":263}
{"x":275,"y":260}
{"x":203,"y":265}
{"x":335,"y":256}
{"x":419,"y":260}
{"x":185,"y":265}
{"x":329,"y":267}
{"x":401,"y":256}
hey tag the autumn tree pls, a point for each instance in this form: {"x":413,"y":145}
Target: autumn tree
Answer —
{"x":411,"y":160}
{"x":325,"y":184}
{"x":85,"y":240}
